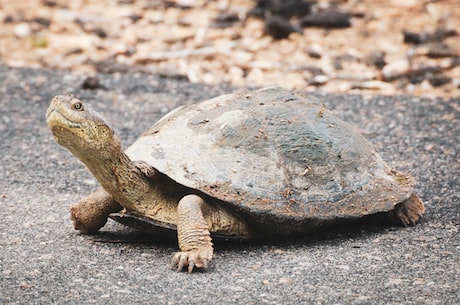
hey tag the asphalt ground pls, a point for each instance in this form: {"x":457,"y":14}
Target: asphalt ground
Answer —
{"x":43,"y":260}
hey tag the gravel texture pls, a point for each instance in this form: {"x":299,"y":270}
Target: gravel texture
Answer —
{"x":43,"y":260}
{"x":349,"y":46}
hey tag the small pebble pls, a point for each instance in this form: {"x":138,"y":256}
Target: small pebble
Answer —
{"x":315,"y":51}
{"x":279,"y":28}
{"x":45,"y":22}
{"x":395,"y":69}
{"x":22,"y":30}
{"x":320,"y":79}
{"x":329,"y":18}
{"x":376,"y":59}
{"x":438,"y":81}
{"x":91,"y":83}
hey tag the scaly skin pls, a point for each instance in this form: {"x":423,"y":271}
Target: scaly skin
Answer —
{"x":135,"y":186}
{"x":194,"y":237}
{"x":140,"y":189}
{"x":408,"y":212}
{"x":90,"y":214}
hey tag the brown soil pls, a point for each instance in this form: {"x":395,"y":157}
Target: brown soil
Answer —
{"x":217,"y":42}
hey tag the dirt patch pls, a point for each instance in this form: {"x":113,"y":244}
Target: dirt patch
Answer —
{"x":383,"y":47}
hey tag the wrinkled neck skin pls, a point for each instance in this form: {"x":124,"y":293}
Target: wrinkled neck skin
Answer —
{"x":137,"y":187}
{"x":117,"y":174}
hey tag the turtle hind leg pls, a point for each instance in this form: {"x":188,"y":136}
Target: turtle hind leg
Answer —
{"x":90,"y":214}
{"x":193,"y":235}
{"x":408,"y":212}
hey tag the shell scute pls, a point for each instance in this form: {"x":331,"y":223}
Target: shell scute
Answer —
{"x":272,"y":153}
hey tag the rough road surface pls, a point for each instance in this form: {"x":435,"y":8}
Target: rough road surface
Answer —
{"x":44,"y":261}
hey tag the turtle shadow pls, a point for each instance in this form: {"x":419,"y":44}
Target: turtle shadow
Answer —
{"x":341,"y":232}
{"x":115,"y":233}
{"x":363,"y":228}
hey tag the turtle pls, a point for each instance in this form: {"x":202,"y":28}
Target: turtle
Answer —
{"x":253,"y":165}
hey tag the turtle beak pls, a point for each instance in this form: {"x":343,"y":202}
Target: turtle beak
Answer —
{"x":52,"y":112}
{"x":54,"y":118}
{"x":49,"y":113}
{"x":51,"y":109}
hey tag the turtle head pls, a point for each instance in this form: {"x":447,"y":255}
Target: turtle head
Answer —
{"x":80,"y":129}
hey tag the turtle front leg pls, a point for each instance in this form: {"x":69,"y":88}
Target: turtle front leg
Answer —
{"x":193,"y":234}
{"x":90,"y":214}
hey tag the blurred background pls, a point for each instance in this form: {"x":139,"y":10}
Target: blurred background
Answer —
{"x":369,"y":46}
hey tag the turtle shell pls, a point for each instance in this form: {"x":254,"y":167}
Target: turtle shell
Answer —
{"x":272,"y":154}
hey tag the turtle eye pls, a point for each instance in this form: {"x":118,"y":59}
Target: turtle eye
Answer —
{"x":78,"y":106}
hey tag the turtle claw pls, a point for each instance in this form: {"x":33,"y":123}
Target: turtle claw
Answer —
{"x":409,"y":211}
{"x":193,"y":259}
